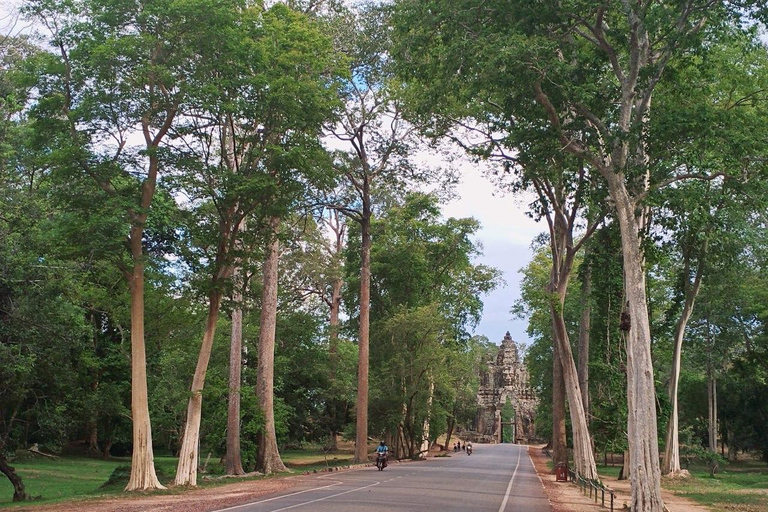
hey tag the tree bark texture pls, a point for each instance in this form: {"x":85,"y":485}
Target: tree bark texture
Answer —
{"x":186,"y":470}
{"x":268,"y":459}
{"x":584,"y":332}
{"x":712,"y":411}
{"x":583,"y":457}
{"x":645,"y":471}
{"x":361,"y":405}
{"x":671,"y":463}
{"x":559,"y":438}
{"x":143,"y":476}
{"x":233,"y":460}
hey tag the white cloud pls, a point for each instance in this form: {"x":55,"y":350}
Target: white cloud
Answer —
{"x":506,"y":234}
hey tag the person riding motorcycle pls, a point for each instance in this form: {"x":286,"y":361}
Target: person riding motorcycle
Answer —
{"x":381,"y":451}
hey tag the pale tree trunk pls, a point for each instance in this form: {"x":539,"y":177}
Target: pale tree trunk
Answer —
{"x":334,"y":304}
{"x":584,"y":331}
{"x":425,"y":442}
{"x":268,"y":456}
{"x":143,"y":476}
{"x":361,"y":406}
{"x":712,"y":410}
{"x":583,"y":457}
{"x":671,"y":464}
{"x":186,"y":470}
{"x":233,"y":459}
{"x":563,"y":252}
{"x":559,"y":439}
{"x":645,"y":473}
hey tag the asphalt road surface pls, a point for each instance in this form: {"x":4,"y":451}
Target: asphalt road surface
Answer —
{"x":495,"y":478}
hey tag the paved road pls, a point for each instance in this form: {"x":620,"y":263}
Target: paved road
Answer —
{"x":495,"y":478}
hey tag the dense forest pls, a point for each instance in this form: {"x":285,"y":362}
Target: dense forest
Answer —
{"x":221,"y":227}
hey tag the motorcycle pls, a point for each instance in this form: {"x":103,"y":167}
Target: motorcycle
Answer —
{"x":381,"y":461}
{"x":469,"y":450}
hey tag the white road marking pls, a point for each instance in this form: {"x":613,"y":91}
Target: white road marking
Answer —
{"x":326,"y":498}
{"x":509,"y":486}
{"x":279,"y":497}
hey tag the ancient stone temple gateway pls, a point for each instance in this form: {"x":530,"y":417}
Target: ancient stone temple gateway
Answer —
{"x":505,"y":378}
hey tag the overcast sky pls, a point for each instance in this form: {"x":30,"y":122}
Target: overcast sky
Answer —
{"x":506,"y":234}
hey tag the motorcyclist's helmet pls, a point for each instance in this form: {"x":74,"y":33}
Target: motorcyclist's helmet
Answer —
{"x":382,"y":443}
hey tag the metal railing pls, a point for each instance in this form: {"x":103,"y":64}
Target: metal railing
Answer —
{"x":594,"y":487}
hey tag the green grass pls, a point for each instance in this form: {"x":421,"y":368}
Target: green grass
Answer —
{"x":80,"y":477}
{"x":55,"y":480}
{"x":739,"y":486}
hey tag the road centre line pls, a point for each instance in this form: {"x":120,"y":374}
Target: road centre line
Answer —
{"x":509,"y":486}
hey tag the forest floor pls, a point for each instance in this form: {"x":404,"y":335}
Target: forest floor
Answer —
{"x":567,"y":497}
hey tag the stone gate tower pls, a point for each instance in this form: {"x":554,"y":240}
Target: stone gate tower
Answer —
{"x":502,"y":379}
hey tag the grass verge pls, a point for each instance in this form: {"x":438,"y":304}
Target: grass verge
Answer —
{"x":740,"y":487}
{"x":80,"y":477}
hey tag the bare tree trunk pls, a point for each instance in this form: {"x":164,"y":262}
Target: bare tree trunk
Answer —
{"x":143,"y":476}
{"x":712,"y":410}
{"x":559,"y":439}
{"x":584,"y":332}
{"x":233,"y":459}
{"x":625,"y":466}
{"x":268,"y":457}
{"x":645,"y":473}
{"x":671,"y":463}
{"x":583,"y":457}
{"x":361,"y":406}
{"x":333,"y":347}
{"x":186,"y":470}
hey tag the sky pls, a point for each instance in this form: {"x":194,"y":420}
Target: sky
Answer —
{"x":506,"y":234}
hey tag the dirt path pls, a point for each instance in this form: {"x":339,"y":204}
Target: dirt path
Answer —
{"x":566,"y":497}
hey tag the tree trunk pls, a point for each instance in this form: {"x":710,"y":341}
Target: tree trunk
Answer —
{"x":583,"y":457}
{"x":233,"y":460}
{"x":186,"y":470}
{"x":712,"y":410}
{"x":584,"y":328}
{"x":268,"y":456}
{"x":19,"y":492}
{"x":559,"y":439}
{"x":671,"y":463}
{"x":361,"y":406}
{"x":143,"y":476}
{"x":425,"y":430}
{"x":624,"y":475}
{"x":645,"y":473}
{"x":337,"y":406}
{"x":449,"y":432}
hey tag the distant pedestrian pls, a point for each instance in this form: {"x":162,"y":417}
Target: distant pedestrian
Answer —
{"x":464,"y":447}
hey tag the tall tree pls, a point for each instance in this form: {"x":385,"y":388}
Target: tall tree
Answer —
{"x":584,"y":76}
{"x":255,"y":160}
{"x":379,"y":142}
{"x":120,"y":77}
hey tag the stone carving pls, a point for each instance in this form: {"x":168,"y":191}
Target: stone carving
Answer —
{"x":505,"y":378}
